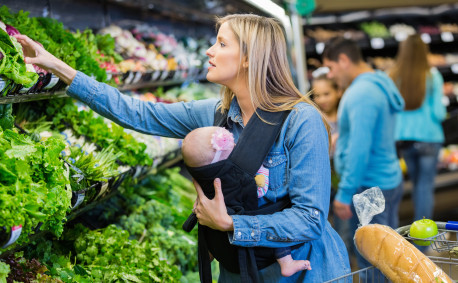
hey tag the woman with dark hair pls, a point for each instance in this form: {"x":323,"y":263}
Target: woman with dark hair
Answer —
{"x":421,"y":87}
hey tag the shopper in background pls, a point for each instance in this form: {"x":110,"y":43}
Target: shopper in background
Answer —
{"x":421,"y":87}
{"x":365,"y":153}
{"x":326,"y":94}
{"x":249,"y":61}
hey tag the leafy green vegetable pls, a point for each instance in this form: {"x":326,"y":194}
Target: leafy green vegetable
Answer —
{"x":6,"y":116}
{"x":4,"y":270}
{"x":77,"y":50}
{"x":12,"y":64}
{"x":33,"y":184}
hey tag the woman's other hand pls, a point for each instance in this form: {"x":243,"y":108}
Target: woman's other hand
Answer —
{"x":342,"y":210}
{"x":35,"y":54}
{"x":212,"y":212}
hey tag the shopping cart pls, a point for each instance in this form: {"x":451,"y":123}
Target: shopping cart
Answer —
{"x":445,"y":243}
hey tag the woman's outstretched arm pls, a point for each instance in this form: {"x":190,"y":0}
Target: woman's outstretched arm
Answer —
{"x":35,"y":54}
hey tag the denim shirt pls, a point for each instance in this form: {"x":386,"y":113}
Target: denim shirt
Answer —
{"x":298,"y":163}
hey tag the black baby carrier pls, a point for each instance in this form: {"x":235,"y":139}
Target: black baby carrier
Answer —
{"x":239,"y":188}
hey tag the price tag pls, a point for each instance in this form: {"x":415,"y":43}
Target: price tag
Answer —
{"x":426,"y":38}
{"x":79,"y":199}
{"x":138,"y":76}
{"x":447,"y":36}
{"x":138,"y":171}
{"x":319,"y":47}
{"x":156,"y":75}
{"x":454,"y":68}
{"x":109,"y":76}
{"x":400,"y":36}
{"x":164,"y":75}
{"x":103,"y":189}
{"x":377,"y":43}
{"x":24,"y":89}
{"x":2,"y":84}
{"x":15,"y":233}
{"x":129,"y":78}
{"x":52,"y":82}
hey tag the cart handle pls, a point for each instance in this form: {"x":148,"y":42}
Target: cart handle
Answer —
{"x":449,"y":225}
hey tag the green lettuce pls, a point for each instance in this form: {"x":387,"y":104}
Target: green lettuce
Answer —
{"x":12,"y":65}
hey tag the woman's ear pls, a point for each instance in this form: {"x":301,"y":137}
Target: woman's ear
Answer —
{"x":245,"y":62}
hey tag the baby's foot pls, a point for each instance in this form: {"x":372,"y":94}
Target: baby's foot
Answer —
{"x":289,"y":266}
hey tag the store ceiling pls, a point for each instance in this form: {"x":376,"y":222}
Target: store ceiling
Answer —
{"x":335,"y":6}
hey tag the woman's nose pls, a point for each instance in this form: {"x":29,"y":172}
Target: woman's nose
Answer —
{"x":209,"y":52}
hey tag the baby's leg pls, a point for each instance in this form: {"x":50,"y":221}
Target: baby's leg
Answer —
{"x":289,"y":266}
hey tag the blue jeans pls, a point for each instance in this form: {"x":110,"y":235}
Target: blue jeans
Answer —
{"x":421,"y":160}
{"x":389,"y":217}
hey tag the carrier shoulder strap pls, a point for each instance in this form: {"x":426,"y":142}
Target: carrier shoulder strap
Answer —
{"x":257,"y":139}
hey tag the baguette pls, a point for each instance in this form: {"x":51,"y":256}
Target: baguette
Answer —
{"x":396,"y":258}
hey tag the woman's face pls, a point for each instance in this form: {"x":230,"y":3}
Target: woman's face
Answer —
{"x":325,"y":96}
{"x":224,"y":58}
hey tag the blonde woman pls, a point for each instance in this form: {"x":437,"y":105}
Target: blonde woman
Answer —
{"x":249,"y":60}
{"x":421,"y":87}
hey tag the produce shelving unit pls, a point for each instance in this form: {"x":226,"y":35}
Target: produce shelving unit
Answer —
{"x":31,"y":97}
{"x":438,"y":41}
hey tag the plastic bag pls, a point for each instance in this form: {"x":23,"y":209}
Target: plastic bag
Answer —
{"x":368,"y":204}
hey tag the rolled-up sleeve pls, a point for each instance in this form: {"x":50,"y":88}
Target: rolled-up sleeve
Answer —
{"x":307,"y":184}
{"x":173,"y":120}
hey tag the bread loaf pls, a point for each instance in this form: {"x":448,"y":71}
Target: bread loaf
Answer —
{"x":398,"y":259}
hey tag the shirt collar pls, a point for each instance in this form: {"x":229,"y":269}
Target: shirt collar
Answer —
{"x":234,"y":114}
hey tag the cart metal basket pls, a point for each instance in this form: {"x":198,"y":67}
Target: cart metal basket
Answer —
{"x":445,"y":241}
{"x":448,"y":265}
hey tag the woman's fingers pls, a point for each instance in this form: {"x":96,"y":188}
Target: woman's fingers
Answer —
{"x":199,"y":191}
{"x":218,"y":190}
{"x":34,"y":53}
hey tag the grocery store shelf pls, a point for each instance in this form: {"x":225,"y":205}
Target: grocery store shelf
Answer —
{"x":150,"y":85}
{"x":19,"y":98}
{"x":445,"y":195}
{"x":328,"y":6}
{"x":314,"y":48}
{"x":442,"y":181}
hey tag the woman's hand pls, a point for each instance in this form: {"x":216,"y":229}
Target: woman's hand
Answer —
{"x":342,"y":210}
{"x":212,"y":212}
{"x":35,"y":54}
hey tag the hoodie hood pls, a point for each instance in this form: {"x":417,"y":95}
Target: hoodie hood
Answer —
{"x":386,"y":84}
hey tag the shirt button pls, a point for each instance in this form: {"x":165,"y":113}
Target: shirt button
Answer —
{"x":270,"y":161}
{"x":252,"y":234}
{"x":239,"y":234}
{"x":316,"y":212}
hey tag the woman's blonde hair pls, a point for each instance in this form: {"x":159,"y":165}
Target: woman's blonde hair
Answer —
{"x":411,"y":70}
{"x":262,"y":43}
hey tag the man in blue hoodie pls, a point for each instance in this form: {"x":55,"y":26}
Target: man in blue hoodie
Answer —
{"x":365,"y":153}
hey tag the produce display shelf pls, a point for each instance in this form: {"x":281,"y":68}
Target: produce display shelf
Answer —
{"x":314,"y":47}
{"x":150,"y":85}
{"x":443,"y":180}
{"x":31,"y":97}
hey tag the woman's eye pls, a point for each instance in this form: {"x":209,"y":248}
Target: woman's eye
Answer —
{"x":222,"y":44}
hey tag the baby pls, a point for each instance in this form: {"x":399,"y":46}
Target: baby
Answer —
{"x":208,"y":145}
